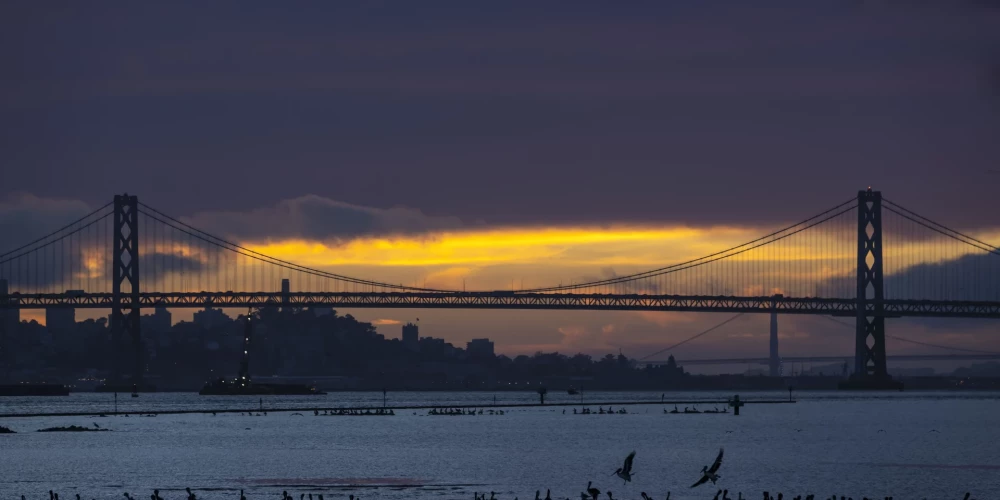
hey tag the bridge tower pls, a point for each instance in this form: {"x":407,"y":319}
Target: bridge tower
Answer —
{"x":775,"y":359}
{"x":869,"y":347}
{"x":125,"y":284}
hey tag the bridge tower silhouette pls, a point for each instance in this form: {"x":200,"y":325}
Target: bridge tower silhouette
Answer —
{"x":870,"y":370}
{"x":125,"y":284}
{"x":869,"y":347}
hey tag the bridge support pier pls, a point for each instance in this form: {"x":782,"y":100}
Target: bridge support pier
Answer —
{"x":870,"y":370}
{"x":775,"y":359}
{"x":125,"y":286}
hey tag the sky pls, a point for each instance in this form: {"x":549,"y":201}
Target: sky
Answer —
{"x":509,"y":145}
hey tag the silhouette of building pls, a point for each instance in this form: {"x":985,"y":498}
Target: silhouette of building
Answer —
{"x":411,"y":337}
{"x":210,"y":318}
{"x":158,"y":322}
{"x":480,"y":349}
{"x":60,"y":319}
{"x":436,"y":348}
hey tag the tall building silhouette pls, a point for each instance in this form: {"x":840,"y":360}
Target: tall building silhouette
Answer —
{"x":411,"y":336}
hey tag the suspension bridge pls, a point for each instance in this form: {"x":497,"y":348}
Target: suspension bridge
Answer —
{"x":867,"y":258}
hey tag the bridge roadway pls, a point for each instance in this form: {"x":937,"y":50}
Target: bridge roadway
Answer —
{"x":510,"y":300}
{"x":824,"y":359}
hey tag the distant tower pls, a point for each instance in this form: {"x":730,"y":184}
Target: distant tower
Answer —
{"x":411,"y":336}
{"x":286,"y":292}
{"x":775,"y":361}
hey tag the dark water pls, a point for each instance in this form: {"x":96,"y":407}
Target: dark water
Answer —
{"x":932,"y":445}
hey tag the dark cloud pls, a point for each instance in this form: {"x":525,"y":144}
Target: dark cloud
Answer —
{"x":57,"y":268}
{"x":26,"y":217}
{"x":524,"y":114}
{"x":317,"y":218}
{"x":972,"y":277}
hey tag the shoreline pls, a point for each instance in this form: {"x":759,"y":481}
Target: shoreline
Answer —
{"x":407,"y":407}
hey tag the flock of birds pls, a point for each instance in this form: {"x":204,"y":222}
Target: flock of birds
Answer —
{"x":694,"y":409}
{"x":708,"y":473}
{"x":600,"y":411}
{"x":463,"y":411}
{"x":592,"y":494}
{"x":355,"y":413}
{"x":190,"y":496}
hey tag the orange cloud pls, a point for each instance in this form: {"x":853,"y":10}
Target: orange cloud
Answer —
{"x":666,"y":318}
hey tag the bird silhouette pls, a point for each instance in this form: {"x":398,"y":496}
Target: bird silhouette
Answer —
{"x":710,"y":473}
{"x":593,"y":492}
{"x":625,"y":471}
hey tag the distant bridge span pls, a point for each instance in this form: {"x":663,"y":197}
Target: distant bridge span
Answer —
{"x":826,"y":359}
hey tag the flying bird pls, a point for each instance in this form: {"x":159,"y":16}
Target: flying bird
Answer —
{"x":625,"y":471}
{"x":710,"y":473}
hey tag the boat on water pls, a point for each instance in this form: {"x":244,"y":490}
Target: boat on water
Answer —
{"x":33,"y":390}
{"x":242,"y":385}
{"x":572,"y":391}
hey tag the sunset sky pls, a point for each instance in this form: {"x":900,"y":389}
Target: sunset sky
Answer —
{"x":463,"y":144}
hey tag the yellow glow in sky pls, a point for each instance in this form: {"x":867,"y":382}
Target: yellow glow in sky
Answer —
{"x":562,"y":246}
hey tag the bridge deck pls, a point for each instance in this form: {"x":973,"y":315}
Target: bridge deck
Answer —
{"x":511,"y":300}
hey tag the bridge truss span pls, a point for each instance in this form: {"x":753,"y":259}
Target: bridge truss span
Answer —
{"x":892,"y":308}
